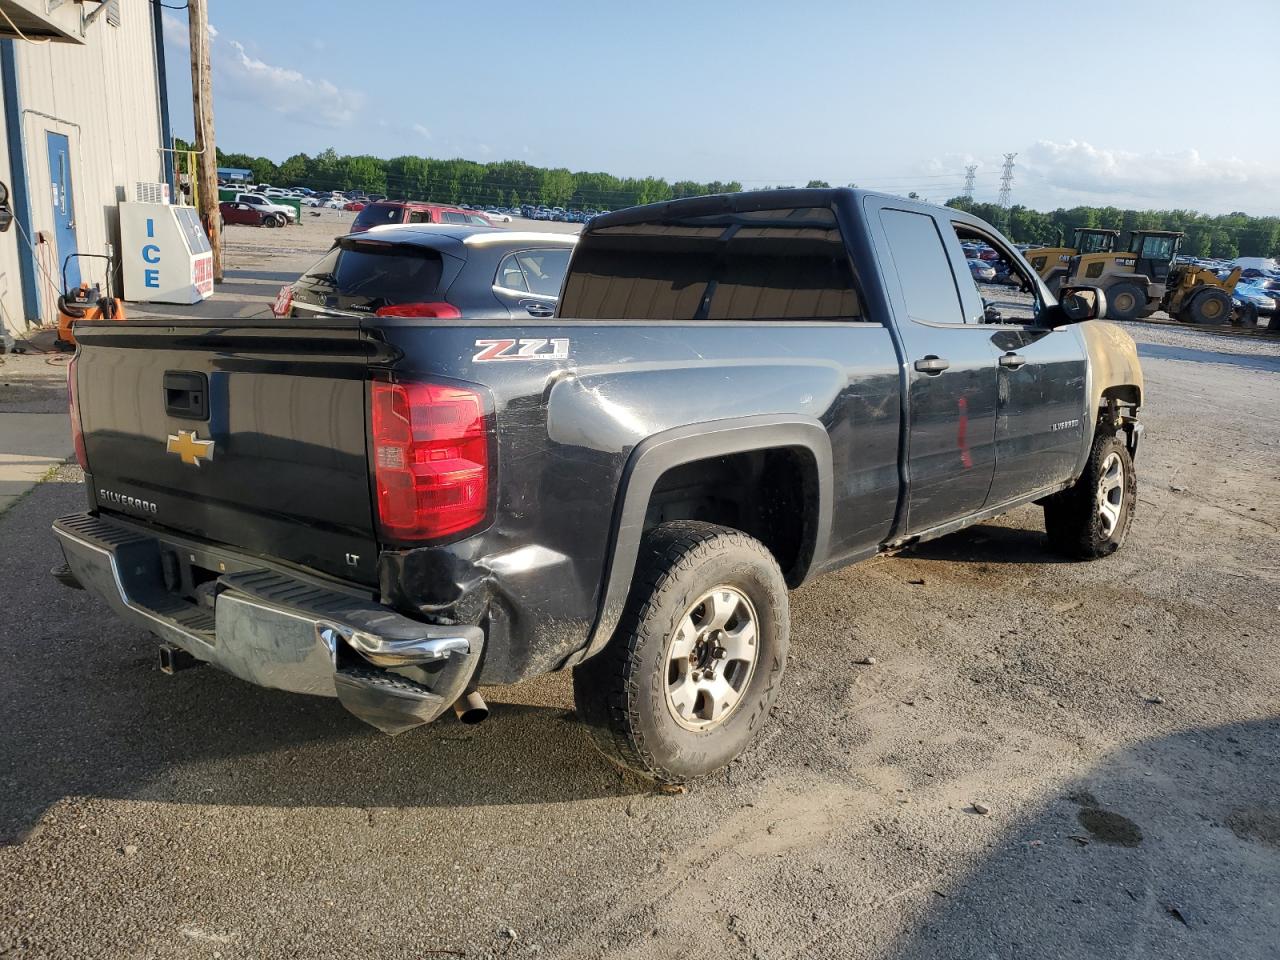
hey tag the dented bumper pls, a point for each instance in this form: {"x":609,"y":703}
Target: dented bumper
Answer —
{"x":274,"y":628}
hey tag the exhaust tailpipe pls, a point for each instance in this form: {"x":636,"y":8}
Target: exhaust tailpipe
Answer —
{"x":470,"y":707}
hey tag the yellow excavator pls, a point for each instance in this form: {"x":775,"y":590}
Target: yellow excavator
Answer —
{"x":1147,"y":277}
{"x":1052,"y":263}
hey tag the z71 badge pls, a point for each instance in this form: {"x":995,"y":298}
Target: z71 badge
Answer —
{"x":534,"y":348}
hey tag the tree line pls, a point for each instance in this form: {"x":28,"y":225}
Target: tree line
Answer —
{"x":513,"y":182}
{"x":502,"y":183}
{"x":1225,"y":236}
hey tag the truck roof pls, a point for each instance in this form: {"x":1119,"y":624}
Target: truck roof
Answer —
{"x":751,"y":200}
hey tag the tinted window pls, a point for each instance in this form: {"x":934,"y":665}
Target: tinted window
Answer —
{"x":366,"y":275}
{"x":787,"y":264}
{"x":450,"y":216}
{"x":419,"y":216}
{"x":510,"y":275}
{"x":544,"y":270}
{"x":924,"y":272}
{"x":376,"y":214}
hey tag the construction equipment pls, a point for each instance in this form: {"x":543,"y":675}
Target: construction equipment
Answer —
{"x":1146,"y":278}
{"x":1052,"y":262}
{"x":85,"y":302}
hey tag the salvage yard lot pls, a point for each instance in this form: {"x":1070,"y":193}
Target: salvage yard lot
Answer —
{"x":1118,"y":722}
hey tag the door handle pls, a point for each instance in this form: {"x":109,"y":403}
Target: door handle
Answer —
{"x":539,"y":309}
{"x":1012,"y":361}
{"x":932,"y":365}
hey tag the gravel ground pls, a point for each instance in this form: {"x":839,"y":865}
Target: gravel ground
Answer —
{"x":1116,"y":721}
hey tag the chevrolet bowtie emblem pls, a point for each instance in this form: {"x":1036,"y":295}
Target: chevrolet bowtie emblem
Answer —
{"x":189,"y":447}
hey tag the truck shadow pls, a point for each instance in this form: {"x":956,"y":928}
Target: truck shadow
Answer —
{"x":86,"y":713}
{"x":1167,"y":848}
{"x":989,"y":543}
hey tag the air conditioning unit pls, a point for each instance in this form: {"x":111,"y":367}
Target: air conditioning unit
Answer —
{"x":150,"y":192}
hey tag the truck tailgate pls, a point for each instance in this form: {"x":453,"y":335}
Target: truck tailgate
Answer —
{"x":250,"y":435}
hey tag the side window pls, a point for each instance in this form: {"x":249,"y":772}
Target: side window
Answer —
{"x":451,"y":217}
{"x":1001,"y":290}
{"x":510,"y":276}
{"x":924,"y":270}
{"x":544,"y":270}
{"x":419,"y":216}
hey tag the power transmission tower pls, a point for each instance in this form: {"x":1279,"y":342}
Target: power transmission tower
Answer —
{"x":969,"y":173}
{"x":1006,"y":181}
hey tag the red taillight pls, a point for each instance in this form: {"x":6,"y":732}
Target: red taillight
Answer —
{"x":441,"y":310}
{"x":430,"y":459}
{"x":73,"y":404}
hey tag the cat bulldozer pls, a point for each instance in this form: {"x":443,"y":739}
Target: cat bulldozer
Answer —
{"x":1052,"y":263}
{"x":1147,"y":277}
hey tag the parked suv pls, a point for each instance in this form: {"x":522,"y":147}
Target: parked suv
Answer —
{"x":392,"y":212}
{"x":234,"y":211}
{"x":434,"y":271}
{"x":266,"y":205}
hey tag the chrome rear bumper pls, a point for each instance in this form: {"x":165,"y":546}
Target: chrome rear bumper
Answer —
{"x":277,"y":629}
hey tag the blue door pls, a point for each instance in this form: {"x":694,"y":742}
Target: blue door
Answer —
{"x":64,"y":210}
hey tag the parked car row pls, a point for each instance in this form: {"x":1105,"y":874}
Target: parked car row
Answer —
{"x":987,"y":266}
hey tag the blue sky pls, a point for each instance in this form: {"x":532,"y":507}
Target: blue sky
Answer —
{"x":892,"y":95}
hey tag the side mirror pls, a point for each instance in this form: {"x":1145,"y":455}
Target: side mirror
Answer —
{"x":1079,"y":304}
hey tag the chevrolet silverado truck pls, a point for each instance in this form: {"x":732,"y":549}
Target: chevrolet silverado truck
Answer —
{"x":737,"y":394}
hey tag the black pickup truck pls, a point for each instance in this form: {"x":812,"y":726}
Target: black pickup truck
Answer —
{"x":738,"y":393}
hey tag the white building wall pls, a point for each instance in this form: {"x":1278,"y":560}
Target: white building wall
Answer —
{"x":103,"y":96}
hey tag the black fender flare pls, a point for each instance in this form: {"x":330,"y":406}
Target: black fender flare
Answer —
{"x":657,"y":454}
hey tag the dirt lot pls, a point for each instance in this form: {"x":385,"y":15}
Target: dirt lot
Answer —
{"x":1117,"y":720}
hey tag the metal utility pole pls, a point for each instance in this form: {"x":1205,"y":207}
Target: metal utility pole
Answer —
{"x":969,"y":173}
{"x":206,"y":185}
{"x":1006,"y":181}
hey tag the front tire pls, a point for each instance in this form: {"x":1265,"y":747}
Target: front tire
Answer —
{"x":1125,"y":301}
{"x":1091,"y":519}
{"x":697,"y":658}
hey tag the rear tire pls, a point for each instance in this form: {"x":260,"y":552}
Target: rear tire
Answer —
{"x":697,"y":658}
{"x":1210,"y":307}
{"x":1125,"y":300}
{"x":1091,"y":519}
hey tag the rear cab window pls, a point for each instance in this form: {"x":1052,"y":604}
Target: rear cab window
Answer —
{"x":783,"y":264}
{"x":364,"y":276}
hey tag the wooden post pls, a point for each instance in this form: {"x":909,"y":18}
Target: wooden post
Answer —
{"x":207,"y":153}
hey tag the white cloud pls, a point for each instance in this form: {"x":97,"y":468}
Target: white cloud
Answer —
{"x":281,"y":90}
{"x":421,"y":130}
{"x":1061,"y":174}
{"x":178,"y":31}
